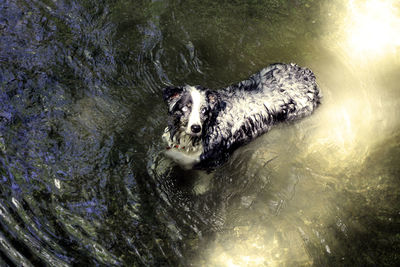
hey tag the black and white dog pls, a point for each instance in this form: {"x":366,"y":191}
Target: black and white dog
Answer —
{"x":206,"y":126}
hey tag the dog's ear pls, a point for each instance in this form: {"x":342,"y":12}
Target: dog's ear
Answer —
{"x":212,"y":98}
{"x":172,"y":93}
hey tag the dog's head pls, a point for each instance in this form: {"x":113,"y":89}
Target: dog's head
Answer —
{"x":190,"y":110}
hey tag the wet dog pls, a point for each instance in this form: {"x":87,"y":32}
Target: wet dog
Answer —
{"x":205,"y":126}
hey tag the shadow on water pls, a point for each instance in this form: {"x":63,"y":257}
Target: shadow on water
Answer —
{"x":82,"y":179}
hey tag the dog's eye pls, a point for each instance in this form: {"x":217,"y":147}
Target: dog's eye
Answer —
{"x":185,"y":108}
{"x":203,"y":110}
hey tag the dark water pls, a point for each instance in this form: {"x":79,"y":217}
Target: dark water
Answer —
{"x":81,"y":178}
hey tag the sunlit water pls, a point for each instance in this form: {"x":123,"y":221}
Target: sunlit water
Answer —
{"x":82,"y":180}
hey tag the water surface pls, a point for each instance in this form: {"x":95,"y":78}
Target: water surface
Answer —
{"x":82,"y":179}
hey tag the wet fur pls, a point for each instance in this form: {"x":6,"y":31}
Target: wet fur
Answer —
{"x":235,"y":115}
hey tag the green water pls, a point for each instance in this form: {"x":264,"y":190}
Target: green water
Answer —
{"x":82,"y":180}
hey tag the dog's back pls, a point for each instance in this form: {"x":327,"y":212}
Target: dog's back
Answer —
{"x":280,"y":92}
{"x":286,"y":91}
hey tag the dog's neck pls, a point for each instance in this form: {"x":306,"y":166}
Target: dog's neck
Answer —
{"x":217,"y":105}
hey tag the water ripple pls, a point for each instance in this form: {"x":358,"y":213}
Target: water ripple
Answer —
{"x":82,"y":179}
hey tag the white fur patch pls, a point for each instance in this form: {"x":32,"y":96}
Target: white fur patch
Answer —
{"x":198,"y":99}
{"x":183,"y":153}
{"x":186,"y":161}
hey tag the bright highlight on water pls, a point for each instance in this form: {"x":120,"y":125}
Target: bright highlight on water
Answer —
{"x":373,"y":28}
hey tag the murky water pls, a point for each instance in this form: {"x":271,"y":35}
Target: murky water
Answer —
{"x":82,"y":181}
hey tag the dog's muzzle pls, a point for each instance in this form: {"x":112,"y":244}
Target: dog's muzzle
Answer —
{"x":183,"y":142}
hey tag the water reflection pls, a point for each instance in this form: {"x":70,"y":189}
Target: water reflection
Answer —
{"x":372,"y":28}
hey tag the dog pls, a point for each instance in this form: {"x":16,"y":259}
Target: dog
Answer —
{"x":205,"y":126}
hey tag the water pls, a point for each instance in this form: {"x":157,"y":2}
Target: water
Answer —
{"x":82,"y":181}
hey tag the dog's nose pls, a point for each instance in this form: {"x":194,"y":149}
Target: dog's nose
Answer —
{"x":195,"y":128}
